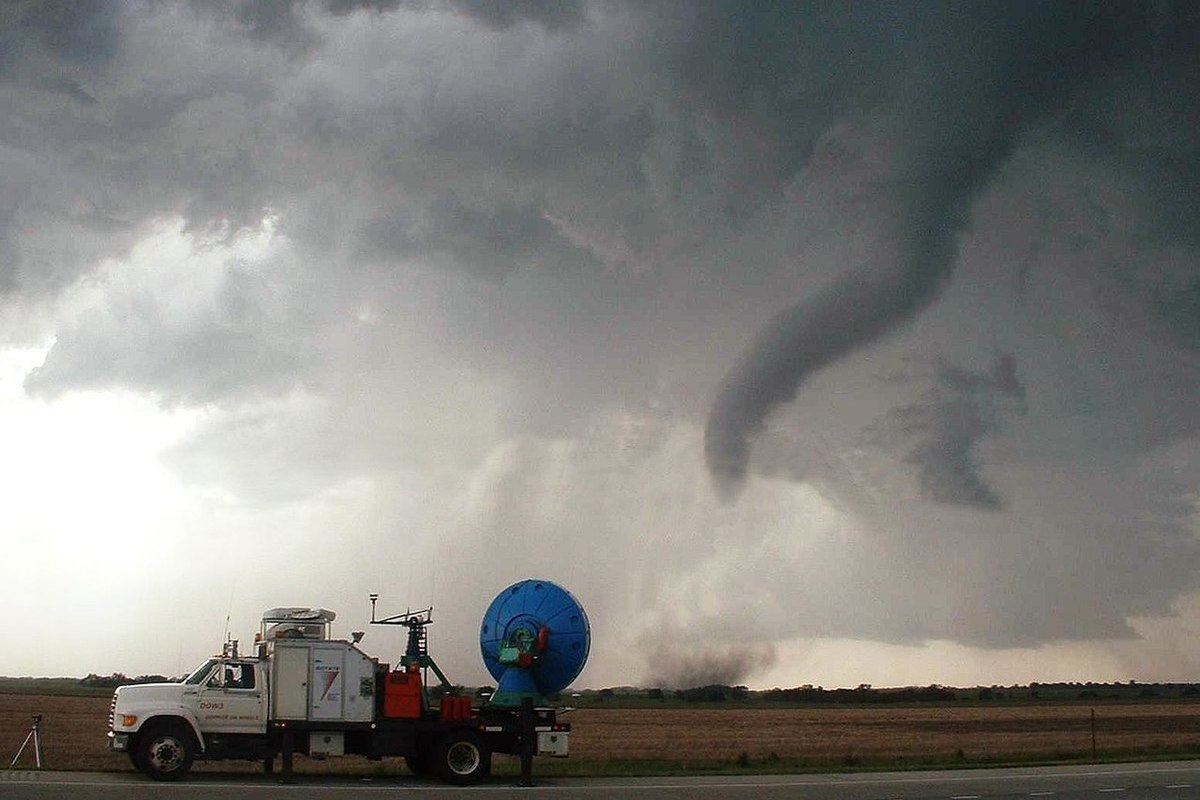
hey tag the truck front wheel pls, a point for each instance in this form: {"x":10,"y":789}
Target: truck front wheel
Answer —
{"x":165,"y":752}
{"x":462,"y":758}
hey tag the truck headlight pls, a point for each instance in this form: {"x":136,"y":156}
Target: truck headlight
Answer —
{"x":128,"y":720}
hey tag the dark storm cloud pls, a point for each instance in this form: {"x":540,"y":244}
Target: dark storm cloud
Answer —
{"x":46,"y":48}
{"x":107,"y":149}
{"x":516,"y":246}
{"x":551,"y":13}
{"x":240,"y":335}
{"x":495,"y":240}
{"x":961,"y":409}
{"x":283,"y":20}
{"x":975,"y":77}
{"x":84,"y":32}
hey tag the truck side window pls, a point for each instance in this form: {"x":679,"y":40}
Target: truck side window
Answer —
{"x":239,"y":676}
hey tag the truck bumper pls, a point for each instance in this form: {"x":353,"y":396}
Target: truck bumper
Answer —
{"x":118,"y":742}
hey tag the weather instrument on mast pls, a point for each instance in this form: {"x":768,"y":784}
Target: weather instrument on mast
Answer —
{"x":416,"y":652}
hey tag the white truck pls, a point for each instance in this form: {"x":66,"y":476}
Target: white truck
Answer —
{"x":303,"y":692}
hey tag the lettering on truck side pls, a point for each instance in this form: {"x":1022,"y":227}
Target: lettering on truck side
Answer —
{"x":231,"y":718}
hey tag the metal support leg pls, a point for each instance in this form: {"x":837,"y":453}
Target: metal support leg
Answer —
{"x":528,"y":741}
{"x":289,"y":749}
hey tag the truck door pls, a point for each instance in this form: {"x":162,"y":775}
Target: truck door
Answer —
{"x":328,"y":683}
{"x":231,"y":701}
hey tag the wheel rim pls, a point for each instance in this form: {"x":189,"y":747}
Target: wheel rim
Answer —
{"x":462,"y":758}
{"x":166,"y":754}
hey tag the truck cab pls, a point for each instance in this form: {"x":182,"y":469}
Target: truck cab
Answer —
{"x":221,"y":709}
{"x":164,"y":725}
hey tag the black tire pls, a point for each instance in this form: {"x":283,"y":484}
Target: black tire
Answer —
{"x":165,"y":752}
{"x":462,"y":758}
{"x":419,"y":764}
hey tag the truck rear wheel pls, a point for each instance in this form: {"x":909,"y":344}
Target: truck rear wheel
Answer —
{"x":462,"y":758}
{"x":165,"y":752}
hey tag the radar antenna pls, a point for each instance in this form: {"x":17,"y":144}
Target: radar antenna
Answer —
{"x":534,"y":640}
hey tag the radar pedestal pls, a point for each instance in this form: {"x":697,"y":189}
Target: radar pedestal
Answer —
{"x":534,"y":640}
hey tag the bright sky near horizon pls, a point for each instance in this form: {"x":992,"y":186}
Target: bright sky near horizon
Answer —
{"x":827,"y":344}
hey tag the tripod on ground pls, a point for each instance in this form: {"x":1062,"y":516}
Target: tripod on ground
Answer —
{"x":35,"y":736}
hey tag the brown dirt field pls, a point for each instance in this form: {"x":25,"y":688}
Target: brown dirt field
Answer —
{"x":880,"y":733}
{"x":73,"y":732}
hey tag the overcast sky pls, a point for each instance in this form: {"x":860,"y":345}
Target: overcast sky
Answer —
{"x":820,"y":343}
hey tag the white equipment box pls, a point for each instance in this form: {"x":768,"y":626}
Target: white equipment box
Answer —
{"x":321,"y":680}
{"x":322,"y":744}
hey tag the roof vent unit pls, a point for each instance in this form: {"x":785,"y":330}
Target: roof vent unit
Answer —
{"x":296,"y":623}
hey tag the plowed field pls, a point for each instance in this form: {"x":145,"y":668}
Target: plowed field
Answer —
{"x":73,"y":733}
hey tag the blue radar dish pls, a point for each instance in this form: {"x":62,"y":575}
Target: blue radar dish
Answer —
{"x":534,"y":640}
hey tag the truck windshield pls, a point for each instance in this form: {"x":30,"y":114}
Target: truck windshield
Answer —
{"x":201,"y":672}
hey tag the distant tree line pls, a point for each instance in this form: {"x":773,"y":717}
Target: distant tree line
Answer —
{"x":713,"y":693}
{"x":865,"y":694}
{"x":861,"y":694}
{"x":94,"y":681}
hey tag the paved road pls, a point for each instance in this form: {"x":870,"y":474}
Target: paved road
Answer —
{"x":1169,"y":781}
